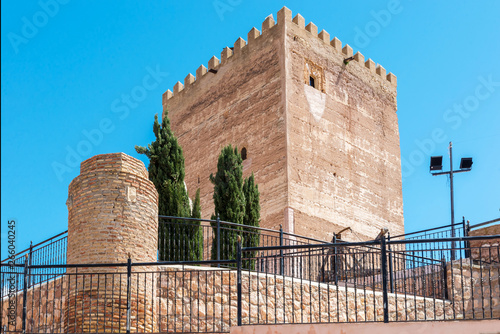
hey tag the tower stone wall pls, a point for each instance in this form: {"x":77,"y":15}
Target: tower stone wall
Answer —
{"x":343,"y":152}
{"x":321,"y":135}
{"x":241,"y":104}
{"x":112,"y":211}
{"x":113,"y":215}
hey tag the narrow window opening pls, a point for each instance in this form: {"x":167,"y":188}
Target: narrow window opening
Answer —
{"x":314,"y":76}
{"x":311,"y":82}
{"x":243,"y":153}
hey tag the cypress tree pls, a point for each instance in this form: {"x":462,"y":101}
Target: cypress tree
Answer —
{"x":166,"y":171}
{"x":251,"y":218}
{"x":229,"y":201}
{"x":196,"y":235}
{"x":196,"y":206}
{"x":235,"y":201}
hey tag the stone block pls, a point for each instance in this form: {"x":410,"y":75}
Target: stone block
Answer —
{"x":337,"y":44}
{"x":312,"y":28}
{"x":299,"y":20}
{"x":268,"y":23}
{"x":253,"y":34}
{"x":189,"y":80}
{"x":324,"y":36}
{"x":201,"y":71}
{"x":347,"y":51}
{"x":284,"y":15}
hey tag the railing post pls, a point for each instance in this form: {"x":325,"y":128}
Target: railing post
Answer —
{"x":453,"y":244}
{"x":282,"y":261}
{"x":129,"y":274}
{"x":391,"y":269}
{"x":30,"y":261}
{"x":25,"y":291}
{"x":384,"y":277}
{"x":445,"y":282}
{"x":218,"y":240}
{"x":465,"y":233}
{"x":238,"y":280}
{"x":335,"y":252}
{"x":464,"y":228}
{"x":467,"y":243}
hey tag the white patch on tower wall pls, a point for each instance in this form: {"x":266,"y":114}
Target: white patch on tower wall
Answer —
{"x":131,"y":194}
{"x":363,"y":111}
{"x":316,"y":100}
{"x":342,"y":99}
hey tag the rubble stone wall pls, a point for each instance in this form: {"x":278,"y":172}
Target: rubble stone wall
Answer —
{"x":474,"y":288}
{"x":206,"y":299}
{"x":486,"y":250}
{"x":45,"y":308}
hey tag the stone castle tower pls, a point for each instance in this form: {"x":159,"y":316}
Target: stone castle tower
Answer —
{"x":112,"y":214}
{"x":321,"y":136}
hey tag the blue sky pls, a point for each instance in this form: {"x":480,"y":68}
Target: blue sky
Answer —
{"x":68,"y":68}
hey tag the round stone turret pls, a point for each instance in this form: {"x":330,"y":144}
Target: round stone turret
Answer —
{"x":113,"y":211}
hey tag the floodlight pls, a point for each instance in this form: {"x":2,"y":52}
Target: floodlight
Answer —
{"x":466,"y":163}
{"x":437,"y":163}
{"x":465,"y":166}
{"x":347,"y":60}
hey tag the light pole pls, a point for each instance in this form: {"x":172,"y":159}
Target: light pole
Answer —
{"x":465,"y":166}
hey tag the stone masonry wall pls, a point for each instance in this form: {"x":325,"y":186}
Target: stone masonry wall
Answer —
{"x":113,"y":215}
{"x":45,"y":308}
{"x":92,"y":299}
{"x":486,"y":250}
{"x":474,"y":288}
{"x":241,"y":105}
{"x":206,"y":299}
{"x":343,"y":139}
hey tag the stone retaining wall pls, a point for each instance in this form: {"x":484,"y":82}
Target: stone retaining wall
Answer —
{"x":486,"y":250}
{"x":474,"y":288}
{"x":45,"y":308}
{"x":205,"y":299}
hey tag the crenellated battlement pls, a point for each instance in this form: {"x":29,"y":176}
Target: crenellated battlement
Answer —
{"x":284,"y":17}
{"x":227,"y":53}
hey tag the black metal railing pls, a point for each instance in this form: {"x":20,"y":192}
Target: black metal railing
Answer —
{"x":118,"y":298}
{"x":48,"y":252}
{"x":445,"y":231}
{"x":476,"y":226}
{"x":310,"y":283}
{"x":385,"y":280}
{"x":202,"y":239}
{"x":438,"y":233}
{"x":190,"y":239}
